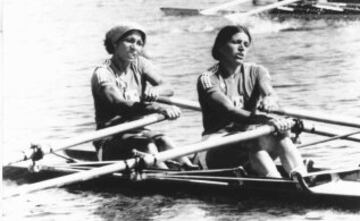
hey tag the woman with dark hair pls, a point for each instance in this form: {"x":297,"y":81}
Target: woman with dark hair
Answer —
{"x":123,"y":89}
{"x":230,"y":92}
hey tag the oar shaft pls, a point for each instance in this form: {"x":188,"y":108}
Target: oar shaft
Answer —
{"x":321,"y":117}
{"x":213,"y":10}
{"x":131,"y":163}
{"x":192,"y":105}
{"x":69,"y":179}
{"x":329,"y":139}
{"x":327,"y":132}
{"x":91,"y":136}
{"x":213,"y":143}
{"x":237,"y":16}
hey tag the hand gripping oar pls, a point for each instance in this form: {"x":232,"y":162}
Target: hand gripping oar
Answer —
{"x":89,"y":136}
{"x":131,"y":163}
{"x":321,"y":117}
{"x":239,"y":16}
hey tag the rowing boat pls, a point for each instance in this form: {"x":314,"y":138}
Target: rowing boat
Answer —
{"x":280,"y":10}
{"x":329,"y":10}
{"x":74,"y":166}
{"x":320,"y":182}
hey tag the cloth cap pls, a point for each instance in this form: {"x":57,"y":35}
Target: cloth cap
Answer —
{"x":115,"y":33}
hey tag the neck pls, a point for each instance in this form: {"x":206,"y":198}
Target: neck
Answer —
{"x":229,"y":69}
{"x":119,"y":64}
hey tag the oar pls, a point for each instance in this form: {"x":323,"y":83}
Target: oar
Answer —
{"x":316,"y":129}
{"x":239,"y":16}
{"x":309,"y":115}
{"x":192,"y":105}
{"x":215,"y":9}
{"x":193,"y":11}
{"x":329,"y":139}
{"x":331,"y":7}
{"x":131,"y":163}
{"x":89,"y":136}
{"x":321,"y":117}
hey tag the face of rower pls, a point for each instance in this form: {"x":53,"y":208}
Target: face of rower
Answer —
{"x":129,"y":48}
{"x":235,"y":50}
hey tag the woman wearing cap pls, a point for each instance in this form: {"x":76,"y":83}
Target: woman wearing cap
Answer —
{"x":123,"y":88}
{"x":230,"y":92}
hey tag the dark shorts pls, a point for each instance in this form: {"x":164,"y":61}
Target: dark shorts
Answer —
{"x":120,"y":146}
{"x":237,"y":154}
{"x":228,"y":156}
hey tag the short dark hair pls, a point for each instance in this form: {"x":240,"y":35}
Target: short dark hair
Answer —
{"x":224,"y":35}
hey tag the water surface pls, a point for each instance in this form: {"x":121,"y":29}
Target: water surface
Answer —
{"x":51,"y":48}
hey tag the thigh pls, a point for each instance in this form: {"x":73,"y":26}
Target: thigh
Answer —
{"x":120,"y":146}
{"x":268,"y":143}
{"x":225,"y":156}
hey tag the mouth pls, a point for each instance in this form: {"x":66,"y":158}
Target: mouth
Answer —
{"x":239,"y":56}
{"x":133,"y":55}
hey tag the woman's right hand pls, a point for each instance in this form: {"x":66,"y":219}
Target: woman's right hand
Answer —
{"x":282,"y":125}
{"x":171,"y":112}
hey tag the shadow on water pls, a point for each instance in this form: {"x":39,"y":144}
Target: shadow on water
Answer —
{"x":144,"y":200}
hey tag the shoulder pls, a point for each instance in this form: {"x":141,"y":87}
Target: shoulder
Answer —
{"x":102,"y":72}
{"x":207,"y":79}
{"x":256,"y":67}
{"x":256,"y":70}
{"x":103,"y":67}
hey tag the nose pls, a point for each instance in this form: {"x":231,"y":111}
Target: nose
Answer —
{"x":133,"y":46}
{"x":242,"y":46}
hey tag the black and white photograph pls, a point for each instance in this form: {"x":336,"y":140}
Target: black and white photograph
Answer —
{"x":173,"y":110}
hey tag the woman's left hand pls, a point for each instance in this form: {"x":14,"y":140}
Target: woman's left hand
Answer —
{"x":151,"y":94}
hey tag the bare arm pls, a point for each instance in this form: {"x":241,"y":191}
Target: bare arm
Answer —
{"x":157,"y":86}
{"x":113,"y":95}
{"x":220,"y":103}
{"x":269,"y":98}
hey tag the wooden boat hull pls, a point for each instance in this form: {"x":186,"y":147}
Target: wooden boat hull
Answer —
{"x":341,"y":184}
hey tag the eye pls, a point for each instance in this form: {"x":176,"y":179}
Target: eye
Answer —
{"x":129,"y":40}
{"x":140,"y":43}
{"x":246,"y":44}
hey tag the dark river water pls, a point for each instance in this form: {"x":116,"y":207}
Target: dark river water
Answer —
{"x":51,"y":47}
